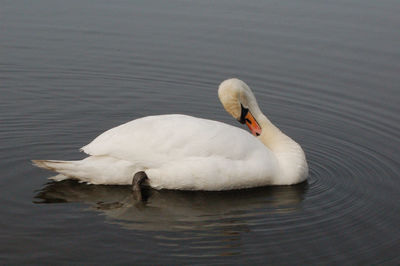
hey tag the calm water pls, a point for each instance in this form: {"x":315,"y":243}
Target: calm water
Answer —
{"x":328,"y":74}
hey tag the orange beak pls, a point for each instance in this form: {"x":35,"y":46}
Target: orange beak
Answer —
{"x":254,"y":127}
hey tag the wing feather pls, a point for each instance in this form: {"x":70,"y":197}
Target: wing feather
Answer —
{"x":170,"y":137}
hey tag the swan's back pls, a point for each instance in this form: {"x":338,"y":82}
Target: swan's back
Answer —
{"x":174,"y":136}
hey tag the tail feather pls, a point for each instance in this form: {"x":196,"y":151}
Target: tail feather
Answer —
{"x":93,"y":169}
{"x":59,"y":177}
{"x":66,"y":169}
{"x":54,"y":165}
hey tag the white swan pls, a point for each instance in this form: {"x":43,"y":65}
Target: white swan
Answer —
{"x":189,"y":153}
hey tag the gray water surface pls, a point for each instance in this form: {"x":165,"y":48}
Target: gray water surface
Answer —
{"x":325,"y":72}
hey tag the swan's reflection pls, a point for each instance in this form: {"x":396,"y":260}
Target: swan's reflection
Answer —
{"x":168,"y":210}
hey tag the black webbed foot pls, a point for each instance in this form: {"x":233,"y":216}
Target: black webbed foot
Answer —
{"x":138,"y":182}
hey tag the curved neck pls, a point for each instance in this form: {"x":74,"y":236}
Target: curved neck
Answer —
{"x":270,"y":134}
{"x":290,"y":156}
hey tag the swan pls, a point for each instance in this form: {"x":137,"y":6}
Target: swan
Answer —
{"x":188,"y":153}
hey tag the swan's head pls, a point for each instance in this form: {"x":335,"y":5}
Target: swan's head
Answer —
{"x":239,"y":101}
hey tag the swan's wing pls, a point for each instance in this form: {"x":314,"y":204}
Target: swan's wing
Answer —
{"x":183,"y":152}
{"x":170,"y":137}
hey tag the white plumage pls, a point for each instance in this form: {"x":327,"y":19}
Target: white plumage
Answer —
{"x":189,"y":153}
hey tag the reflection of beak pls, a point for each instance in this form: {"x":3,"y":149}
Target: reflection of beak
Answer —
{"x":248,"y":118}
{"x":252,"y":124}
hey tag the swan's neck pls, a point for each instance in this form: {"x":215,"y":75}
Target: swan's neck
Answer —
{"x":290,"y":156}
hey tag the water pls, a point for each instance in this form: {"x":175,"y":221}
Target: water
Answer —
{"x":326,"y":73}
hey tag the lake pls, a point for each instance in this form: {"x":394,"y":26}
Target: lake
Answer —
{"x":325,"y":72}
